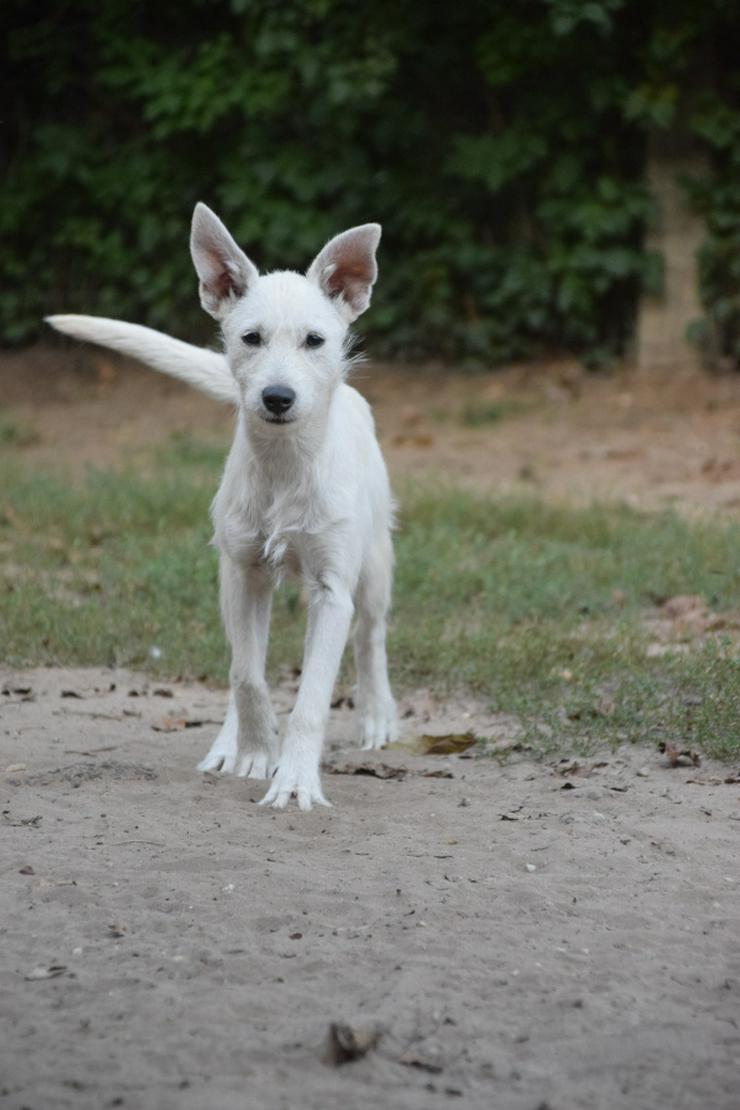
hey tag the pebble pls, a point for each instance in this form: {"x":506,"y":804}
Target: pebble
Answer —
{"x":643,"y":772}
{"x":530,"y":867}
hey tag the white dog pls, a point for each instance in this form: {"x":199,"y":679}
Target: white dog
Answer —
{"x":304,"y":490}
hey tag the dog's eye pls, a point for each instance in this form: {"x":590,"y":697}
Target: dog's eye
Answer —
{"x":252,"y":339}
{"x":314,"y":340}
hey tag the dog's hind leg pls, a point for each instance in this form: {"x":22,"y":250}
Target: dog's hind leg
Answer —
{"x":377,"y":709}
{"x":248,"y":742}
{"x":222,"y":756}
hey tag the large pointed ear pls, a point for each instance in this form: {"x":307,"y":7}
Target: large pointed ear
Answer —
{"x":224,"y":270}
{"x":346,"y":269}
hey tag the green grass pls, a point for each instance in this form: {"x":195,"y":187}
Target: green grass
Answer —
{"x":538,"y":609}
{"x":477,"y":414}
{"x":15,"y":432}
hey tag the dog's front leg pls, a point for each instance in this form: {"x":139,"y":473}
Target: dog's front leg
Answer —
{"x":248,"y":742}
{"x":329,"y":619}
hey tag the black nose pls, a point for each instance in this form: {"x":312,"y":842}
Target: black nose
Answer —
{"x":278,"y":398}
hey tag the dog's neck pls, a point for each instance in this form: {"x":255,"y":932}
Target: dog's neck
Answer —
{"x":284,"y":455}
{"x":282,"y":488}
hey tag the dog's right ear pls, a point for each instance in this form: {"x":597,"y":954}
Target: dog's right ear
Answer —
{"x":224,"y":270}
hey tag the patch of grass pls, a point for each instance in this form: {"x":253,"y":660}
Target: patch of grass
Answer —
{"x":709,"y":710}
{"x":15,"y":432}
{"x":539,"y":609}
{"x":476,"y":414}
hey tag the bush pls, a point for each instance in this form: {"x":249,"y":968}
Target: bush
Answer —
{"x":501,"y":145}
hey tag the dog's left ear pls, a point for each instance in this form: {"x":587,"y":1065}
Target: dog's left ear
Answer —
{"x":346,"y":269}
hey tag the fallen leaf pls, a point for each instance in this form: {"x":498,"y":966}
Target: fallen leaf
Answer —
{"x":29,"y":822}
{"x":163,"y":692}
{"x":345,"y":1043}
{"x":683,"y":606}
{"x":170,"y":724}
{"x":421,"y":440}
{"x":413,"y":1058}
{"x":572,"y":768}
{"x":678,"y":756}
{"x":46,"y":972}
{"x":568,"y":767}
{"x":92,"y":751}
{"x":452,"y":743}
{"x":176,"y":724}
{"x":25,"y":693}
{"x":378,"y":770}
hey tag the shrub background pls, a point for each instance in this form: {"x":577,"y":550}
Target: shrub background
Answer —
{"x":502,"y":145}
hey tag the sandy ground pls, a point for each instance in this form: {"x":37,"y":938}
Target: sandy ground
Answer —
{"x":508,"y":934}
{"x":515,"y":935}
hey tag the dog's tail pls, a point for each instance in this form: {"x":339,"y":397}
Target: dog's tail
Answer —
{"x":207,"y":370}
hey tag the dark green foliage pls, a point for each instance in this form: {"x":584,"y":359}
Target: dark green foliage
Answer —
{"x":500,"y":144}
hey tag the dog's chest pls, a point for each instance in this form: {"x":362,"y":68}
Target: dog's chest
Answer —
{"x":282,"y":543}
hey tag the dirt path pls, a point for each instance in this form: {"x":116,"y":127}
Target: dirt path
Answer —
{"x":521,"y":936}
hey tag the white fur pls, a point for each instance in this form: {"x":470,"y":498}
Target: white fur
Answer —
{"x":309,"y":496}
{"x":207,"y":370}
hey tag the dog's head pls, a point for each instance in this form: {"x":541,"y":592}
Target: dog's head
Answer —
{"x":285,"y":333}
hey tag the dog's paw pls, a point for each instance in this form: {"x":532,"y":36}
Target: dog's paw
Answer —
{"x":256,"y":765}
{"x":247,"y":763}
{"x":222,"y":757}
{"x":379,"y":726}
{"x":294,"y":779}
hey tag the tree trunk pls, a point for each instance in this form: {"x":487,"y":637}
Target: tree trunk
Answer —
{"x":677,"y":235}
